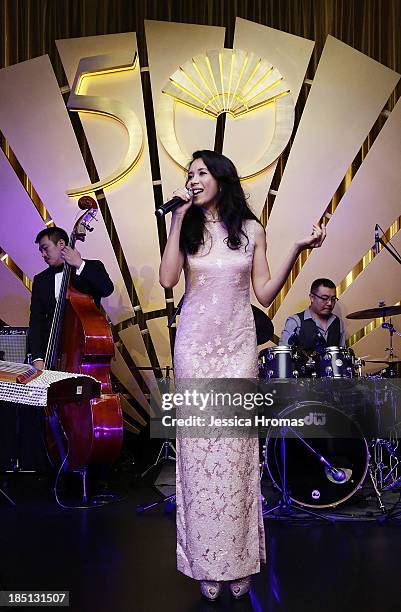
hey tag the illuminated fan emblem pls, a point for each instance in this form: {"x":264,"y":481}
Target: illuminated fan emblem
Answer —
{"x":229,"y":81}
{"x":226,"y":81}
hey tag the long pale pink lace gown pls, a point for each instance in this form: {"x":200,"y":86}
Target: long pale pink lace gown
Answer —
{"x":220,"y":533}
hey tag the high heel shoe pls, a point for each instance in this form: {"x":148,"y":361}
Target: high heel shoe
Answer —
{"x":240,"y":587}
{"x":210,"y":589}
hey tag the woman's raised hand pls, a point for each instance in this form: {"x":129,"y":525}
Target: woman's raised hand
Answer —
{"x":186,"y":196}
{"x":315,"y":240}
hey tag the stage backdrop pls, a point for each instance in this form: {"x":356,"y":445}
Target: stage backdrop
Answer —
{"x":312,"y":123}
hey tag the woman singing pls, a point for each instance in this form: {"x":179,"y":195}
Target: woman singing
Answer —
{"x":221,"y":245}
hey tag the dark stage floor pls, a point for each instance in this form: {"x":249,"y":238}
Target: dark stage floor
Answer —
{"x":111,"y":559}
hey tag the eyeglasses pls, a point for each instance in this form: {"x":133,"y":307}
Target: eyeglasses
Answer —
{"x":326,"y":298}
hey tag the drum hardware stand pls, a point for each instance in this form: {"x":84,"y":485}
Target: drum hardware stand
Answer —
{"x":378,"y":446}
{"x":393,"y":484}
{"x":390,"y":348}
{"x":390,"y":515}
{"x":164,"y":455}
{"x":167,"y":446}
{"x":11,"y":501}
{"x":286,"y":504}
{"x":359,"y":363}
{"x":372,"y":475}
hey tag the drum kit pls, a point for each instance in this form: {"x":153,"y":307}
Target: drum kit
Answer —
{"x":322,"y":473}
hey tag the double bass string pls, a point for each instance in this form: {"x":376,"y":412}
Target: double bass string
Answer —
{"x":52,"y":346}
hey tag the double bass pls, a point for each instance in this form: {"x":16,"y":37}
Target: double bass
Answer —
{"x":79,"y":434}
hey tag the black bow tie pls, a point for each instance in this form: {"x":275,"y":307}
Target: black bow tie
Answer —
{"x":56,"y":269}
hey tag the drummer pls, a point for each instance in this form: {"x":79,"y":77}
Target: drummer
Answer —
{"x":316,"y":327}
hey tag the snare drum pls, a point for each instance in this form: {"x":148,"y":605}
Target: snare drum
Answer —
{"x":337,"y":362}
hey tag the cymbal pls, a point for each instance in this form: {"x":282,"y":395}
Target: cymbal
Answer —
{"x":263,"y":324}
{"x":375,"y":313}
{"x":383,"y":360}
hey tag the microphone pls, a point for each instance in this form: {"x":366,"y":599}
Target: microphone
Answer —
{"x":170,"y":205}
{"x":377,"y":239}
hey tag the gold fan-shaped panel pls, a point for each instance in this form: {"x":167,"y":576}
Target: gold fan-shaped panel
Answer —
{"x":230,"y":81}
{"x":226,"y":81}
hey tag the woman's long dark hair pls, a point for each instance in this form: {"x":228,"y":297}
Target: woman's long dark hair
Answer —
{"x":231,"y":205}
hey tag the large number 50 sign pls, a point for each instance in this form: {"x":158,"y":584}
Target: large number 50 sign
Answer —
{"x":78,"y":102}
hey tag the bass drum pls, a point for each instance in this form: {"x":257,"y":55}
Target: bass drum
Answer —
{"x":309,"y":482}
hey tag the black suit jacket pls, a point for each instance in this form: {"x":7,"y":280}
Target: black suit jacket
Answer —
{"x":93,"y":280}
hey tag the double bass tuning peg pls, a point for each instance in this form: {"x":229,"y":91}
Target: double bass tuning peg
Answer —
{"x":88,"y":227}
